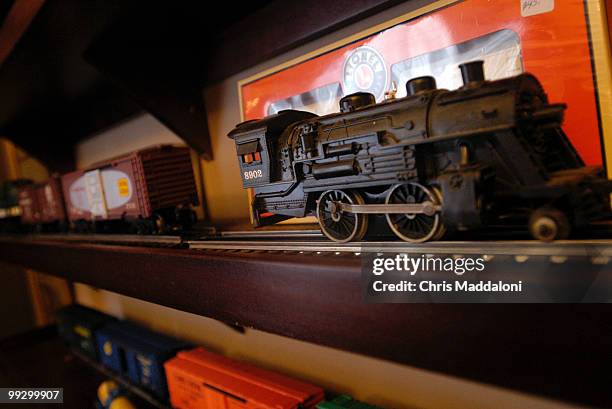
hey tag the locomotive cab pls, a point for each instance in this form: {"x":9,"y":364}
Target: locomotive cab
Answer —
{"x":255,"y":142}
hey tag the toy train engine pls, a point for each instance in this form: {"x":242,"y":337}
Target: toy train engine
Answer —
{"x":491,"y":153}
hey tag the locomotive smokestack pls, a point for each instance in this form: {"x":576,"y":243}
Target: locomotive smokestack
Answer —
{"x":355,"y":101}
{"x":420,"y":84}
{"x":472,"y":72}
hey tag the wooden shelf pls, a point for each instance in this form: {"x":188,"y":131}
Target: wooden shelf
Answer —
{"x":549,"y":349}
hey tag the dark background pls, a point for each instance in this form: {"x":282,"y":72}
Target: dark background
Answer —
{"x":83,"y":66}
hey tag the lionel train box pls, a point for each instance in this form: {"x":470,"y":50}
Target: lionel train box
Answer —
{"x":565,"y":44}
{"x":77,"y":325}
{"x":192,"y":386}
{"x":131,"y":186}
{"x":137,"y":353}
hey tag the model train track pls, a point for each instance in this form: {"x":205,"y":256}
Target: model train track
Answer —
{"x":272,"y":234}
{"x":166,"y":240}
{"x":600,"y":251}
{"x":309,"y":242}
{"x":131,"y":239}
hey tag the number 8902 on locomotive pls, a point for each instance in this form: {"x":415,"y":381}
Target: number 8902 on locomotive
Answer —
{"x":491,"y":153}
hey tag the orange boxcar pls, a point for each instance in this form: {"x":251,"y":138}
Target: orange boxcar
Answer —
{"x":201,"y":379}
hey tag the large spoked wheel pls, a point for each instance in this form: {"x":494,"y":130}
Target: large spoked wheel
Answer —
{"x":415,"y":228}
{"x":338,"y":225}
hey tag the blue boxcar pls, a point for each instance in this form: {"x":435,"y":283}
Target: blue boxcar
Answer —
{"x":77,"y":325}
{"x":137,"y":353}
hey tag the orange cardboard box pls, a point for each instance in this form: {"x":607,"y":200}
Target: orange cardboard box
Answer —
{"x":557,"y":41}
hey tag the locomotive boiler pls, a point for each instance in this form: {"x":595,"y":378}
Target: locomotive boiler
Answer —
{"x":491,"y":153}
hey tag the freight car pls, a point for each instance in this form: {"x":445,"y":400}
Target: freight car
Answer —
{"x":127,"y":349}
{"x":10,"y":212}
{"x":77,"y":325}
{"x":138,"y":354}
{"x":170,"y":368}
{"x":491,"y":153}
{"x":42,"y":206}
{"x":147,"y":191}
{"x":202,"y":379}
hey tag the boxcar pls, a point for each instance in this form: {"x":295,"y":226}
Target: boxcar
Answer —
{"x":77,"y":325}
{"x":28,"y":203}
{"x":137,"y":353}
{"x":42,"y":205}
{"x":199,"y":378}
{"x":148,"y":191}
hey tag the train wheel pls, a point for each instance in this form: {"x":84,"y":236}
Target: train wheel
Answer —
{"x":142,"y":227}
{"x":185,"y":217}
{"x":548,"y":224}
{"x":336,"y":224}
{"x":414,"y":228}
{"x":159,"y":224}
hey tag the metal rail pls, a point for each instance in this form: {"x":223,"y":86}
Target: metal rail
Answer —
{"x":271,"y":234}
{"x":311,"y":241}
{"x":107,"y":238}
{"x":598,"y":250}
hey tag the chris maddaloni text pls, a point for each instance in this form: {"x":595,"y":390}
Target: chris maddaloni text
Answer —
{"x":444,"y":286}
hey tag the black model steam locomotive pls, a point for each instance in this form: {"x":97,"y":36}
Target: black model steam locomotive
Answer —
{"x":491,"y":153}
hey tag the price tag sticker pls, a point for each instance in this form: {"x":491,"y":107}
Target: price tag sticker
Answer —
{"x":534,"y":7}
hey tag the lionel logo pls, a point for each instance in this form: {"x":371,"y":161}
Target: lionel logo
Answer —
{"x":365,"y":70}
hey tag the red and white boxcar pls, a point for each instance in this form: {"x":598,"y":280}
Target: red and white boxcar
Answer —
{"x":151,"y":189}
